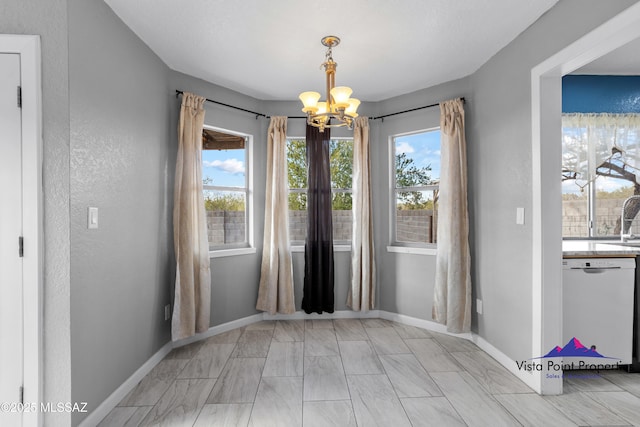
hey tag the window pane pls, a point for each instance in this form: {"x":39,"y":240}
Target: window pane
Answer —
{"x":341,"y":163}
{"x":575,"y":207}
{"x":223,"y":167}
{"x":417,"y":159}
{"x":341,"y":217}
{"x":341,"y":167}
{"x":226,"y":223}
{"x":610,"y":194}
{"x":416,"y":163}
{"x":297,"y":163}
{"x":416,"y":216}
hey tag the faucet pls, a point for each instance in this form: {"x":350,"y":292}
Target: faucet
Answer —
{"x":626,"y":236}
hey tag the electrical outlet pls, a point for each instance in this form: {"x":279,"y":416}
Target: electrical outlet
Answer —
{"x":167,"y":312}
{"x":479,"y":306}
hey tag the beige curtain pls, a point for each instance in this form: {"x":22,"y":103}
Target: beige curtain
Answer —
{"x":275,"y":293}
{"x":363,"y":266}
{"x":452,"y":295}
{"x":192,"y":302}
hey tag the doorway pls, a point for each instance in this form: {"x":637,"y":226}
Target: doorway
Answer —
{"x":546,"y":100}
{"x":20,"y":229}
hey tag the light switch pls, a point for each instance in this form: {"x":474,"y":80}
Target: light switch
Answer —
{"x":520,"y":216}
{"x":92,"y":218}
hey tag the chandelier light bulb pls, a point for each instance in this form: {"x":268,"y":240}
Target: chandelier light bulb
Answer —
{"x":309,"y":101}
{"x":353,"y":107}
{"x":341,"y":96}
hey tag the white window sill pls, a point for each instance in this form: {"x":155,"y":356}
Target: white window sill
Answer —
{"x":231,"y":252}
{"x":412,"y":250}
{"x":336,"y":248}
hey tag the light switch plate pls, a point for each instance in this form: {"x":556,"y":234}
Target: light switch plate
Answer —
{"x":92,"y":218}
{"x":478,"y":305}
{"x":520,"y":216}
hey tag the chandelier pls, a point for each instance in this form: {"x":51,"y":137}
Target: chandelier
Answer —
{"x":339,"y":107}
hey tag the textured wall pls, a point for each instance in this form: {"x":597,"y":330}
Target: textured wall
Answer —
{"x":500,"y":170}
{"x":49,"y":21}
{"x":121,"y":273}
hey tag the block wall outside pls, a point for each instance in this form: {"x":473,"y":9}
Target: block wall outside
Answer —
{"x":225,"y":227}
{"x":574,"y":217}
{"x":412,"y":225}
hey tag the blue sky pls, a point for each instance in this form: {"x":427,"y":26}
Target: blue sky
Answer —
{"x":423,"y":148}
{"x":227,"y":167}
{"x":224,"y":167}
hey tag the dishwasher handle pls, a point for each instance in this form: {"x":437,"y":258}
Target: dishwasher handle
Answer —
{"x":596,"y":270}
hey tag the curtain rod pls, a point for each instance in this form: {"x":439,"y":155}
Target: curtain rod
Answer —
{"x":410,"y":110}
{"x":179,"y":92}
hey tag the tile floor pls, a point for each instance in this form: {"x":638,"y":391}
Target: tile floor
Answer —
{"x":353,"y":372}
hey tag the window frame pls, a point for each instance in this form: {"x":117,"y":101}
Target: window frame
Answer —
{"x":248,"y":246}
{"x":394,"y":244}
{"x":590,"y":124}
{"x":339,"y":245}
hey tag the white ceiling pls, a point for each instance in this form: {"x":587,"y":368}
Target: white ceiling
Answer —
{"x":623,"y":61}
{"x":271,"y":49}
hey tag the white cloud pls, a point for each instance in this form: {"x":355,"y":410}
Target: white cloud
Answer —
{"x":233,"y":166}
{"x":404,"y":147}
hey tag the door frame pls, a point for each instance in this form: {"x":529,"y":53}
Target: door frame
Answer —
{"x":546,"y":111}
{"x":28,"y":47}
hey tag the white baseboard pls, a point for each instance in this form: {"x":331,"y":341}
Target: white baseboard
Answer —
{"x":526,"y":377}
{"x":420,"y":323}
{"x":105,"y":407}
{"x":218,"y":329}
{"x":98,"y":414}
{"x":341,"y":314}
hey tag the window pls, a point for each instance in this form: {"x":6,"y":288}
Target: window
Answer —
{"x":600,"y":162}
{"x":227,"y":196}
{"x":415,"y":175}
{"x":341,"y":164}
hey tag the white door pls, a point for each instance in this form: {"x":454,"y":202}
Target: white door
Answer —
{"x":11,"y":303}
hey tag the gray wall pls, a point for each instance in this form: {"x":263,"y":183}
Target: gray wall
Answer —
{"x":405,"y":281}
{"x":121,"y":162}
{"x":500,"y":169}
{"x":48,"y":19}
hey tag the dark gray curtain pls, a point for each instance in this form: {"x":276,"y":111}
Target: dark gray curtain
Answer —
{"x":318,"y":250}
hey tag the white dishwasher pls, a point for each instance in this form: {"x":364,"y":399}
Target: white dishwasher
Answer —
{"x":597,"y":306}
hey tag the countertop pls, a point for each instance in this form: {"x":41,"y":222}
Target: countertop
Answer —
{"x":598,"y":248}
